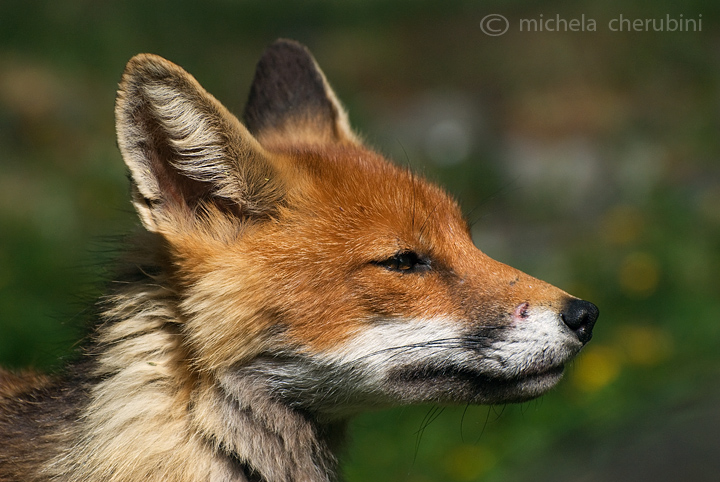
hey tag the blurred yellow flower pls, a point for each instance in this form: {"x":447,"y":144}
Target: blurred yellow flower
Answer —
{"x":639,"y":275}
{"x":598,"y":366}
{"x":644,"y":344}
{"x":468,"y":462}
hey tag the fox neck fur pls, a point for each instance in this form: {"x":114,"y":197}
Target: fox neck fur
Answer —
{"x":226,"y":430}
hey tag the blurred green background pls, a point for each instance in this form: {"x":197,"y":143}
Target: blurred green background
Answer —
{"x":589,"y":159}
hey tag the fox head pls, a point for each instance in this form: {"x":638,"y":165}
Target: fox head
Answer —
{"x":300,"y":257}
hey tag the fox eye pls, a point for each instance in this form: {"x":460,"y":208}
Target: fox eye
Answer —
{"x":406,"y":262}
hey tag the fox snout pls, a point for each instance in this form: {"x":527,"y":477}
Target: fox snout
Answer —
{"x":580,"y":316}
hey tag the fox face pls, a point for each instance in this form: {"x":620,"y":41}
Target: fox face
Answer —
{"x":302,"y":258}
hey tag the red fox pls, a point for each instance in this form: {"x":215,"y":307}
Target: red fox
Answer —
{"x":287,"y":277}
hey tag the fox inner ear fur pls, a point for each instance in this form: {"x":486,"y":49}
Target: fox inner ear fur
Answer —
{"x":185,"y":151}
{"x":291,"y":102}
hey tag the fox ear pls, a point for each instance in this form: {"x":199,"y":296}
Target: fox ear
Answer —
{"x":185,"y":151}
{"x":291,"y":101}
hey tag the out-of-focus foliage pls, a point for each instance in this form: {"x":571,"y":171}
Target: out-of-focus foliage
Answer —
{"x":586,"y":158}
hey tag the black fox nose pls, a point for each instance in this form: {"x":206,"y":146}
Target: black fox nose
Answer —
{"x":580,"y":317}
